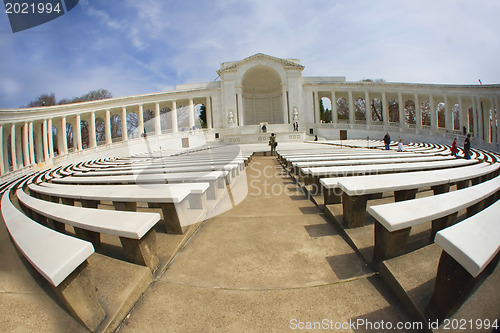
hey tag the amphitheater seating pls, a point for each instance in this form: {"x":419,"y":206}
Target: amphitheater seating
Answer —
{"x":172,"y":199}
{"x":314,"y":174}
{"x":468,"y":248}
{"x":394,"y":220}
{"x":216,"y":179}
{"x":357,"y":190}
{"x":134,"y":229}
{"x":60,"y":259}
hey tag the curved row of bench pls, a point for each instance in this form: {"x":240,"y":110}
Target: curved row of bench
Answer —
{"x":37,"y":210}
{"x":348,"y":178}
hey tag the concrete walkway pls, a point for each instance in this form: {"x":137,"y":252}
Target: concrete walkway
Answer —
{"x":271,"y":264}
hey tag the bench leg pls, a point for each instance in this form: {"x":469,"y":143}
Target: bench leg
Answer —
{"x":142,"y":251}
{"x":442,"y":223}
{"x":171,"y":218}
{"x":91,"y":236}
{"x":354,"y":210}
{"x":439,"y":189}
{"x":90,"y":203}
{"x":332,"y":196}
{"x":125,"y":206}
{"x":68,"y":201}
{"x":77,"y":292}
{"x":453,"y":284}
{"x":405,"y":195}
{"x":196,"y":201}
{"x":57,"y":226}
{"x":474,"y":209}
{"x":212,"y":191}
{"x":462,"y":184}
{"x":389,"y":244}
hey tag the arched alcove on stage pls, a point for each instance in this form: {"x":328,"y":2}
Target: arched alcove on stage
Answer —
{"x":262,"y":96}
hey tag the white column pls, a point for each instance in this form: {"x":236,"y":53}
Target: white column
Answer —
{"x":77,"y":132}
{"x":462,"y":116}
{"x":352,"y":116}
{"x":418,"y":113}
{"x":335,"y":116}
{"x":448,"y":115}
{"x":401,"y":109}
{"x":50,"y":138}
{"x":317,"y":116}
{"x":480,"y":131}
{"x":140,"y":119}
{"x":432,"y":108}
{"x":107,"y":127}
{"x":26,"y":156}
{"x":31,"y":143}
{"x":92,"y":133}
{"x":285,"y":104}
{"x":208,"y":108}
{"x":64,"y":136}
{"x":368,"y":109}
{"x":486,"y":122}
{"x":2,"y":151}
{"x":124,"y":124}
{"x":37,"y":133}
{"x":494,"y":115}
{"x":173,"y":116}
{"x":13,"y":146}
{"x":157,"y":119}
{"x":498,"y":118}
{"x":385,"y":110}
{"x":191,"y":111}
{"x":240,"y":121}
{"x":45,"y":141}
{"x":474,"y":115}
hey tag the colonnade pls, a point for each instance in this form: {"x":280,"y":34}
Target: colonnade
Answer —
{"x":420,"y":110}
{"x":41,"y":137}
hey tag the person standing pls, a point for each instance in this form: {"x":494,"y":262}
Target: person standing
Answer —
{"x":273,"y":144}
{"x":454,"y":148}
{"x":387,"y":141}
{"x":467,"y":147}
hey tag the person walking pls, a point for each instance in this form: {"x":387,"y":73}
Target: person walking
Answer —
{"x":400,"y":145}
{"x":273,"y":144}
{"x":467,"y":147}
{"x":454,"y":148}
{"x":387,"y":141}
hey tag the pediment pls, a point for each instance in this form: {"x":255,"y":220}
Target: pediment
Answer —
{"x":259,"y":57}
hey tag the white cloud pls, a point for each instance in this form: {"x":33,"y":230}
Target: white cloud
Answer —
{"x":133,"y":47}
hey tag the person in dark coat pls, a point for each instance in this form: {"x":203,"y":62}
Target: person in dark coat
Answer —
{"x":387,"y":141}
{"x":467,"y":147}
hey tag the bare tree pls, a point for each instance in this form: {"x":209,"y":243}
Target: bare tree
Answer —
{"x":43,"y":100}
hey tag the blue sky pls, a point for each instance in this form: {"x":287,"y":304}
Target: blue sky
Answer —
{"x":133,"y":47}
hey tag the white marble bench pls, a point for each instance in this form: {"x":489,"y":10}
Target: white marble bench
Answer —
{"x":135,"y":230}
{"x":468,"y":248}
{"x":60,"y":259}
{"x":216,"y":179}
{"x":231,"y":168}
{"x":172,"y":199}
{"x":395,"y":220}
{"x":312,"y":175}
{"x":356,"y":190}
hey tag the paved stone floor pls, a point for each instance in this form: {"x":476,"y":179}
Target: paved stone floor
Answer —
{"x":271,"y":264}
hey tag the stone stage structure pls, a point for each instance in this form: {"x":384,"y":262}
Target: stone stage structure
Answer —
{"x":257,"y":90}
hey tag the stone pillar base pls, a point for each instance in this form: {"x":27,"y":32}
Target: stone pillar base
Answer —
{"x":77,"y":292}
{"x":354,"y":208}
{"x":389,"y":244}
{"x":142,"y":251}
{"x":453,"y":284}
